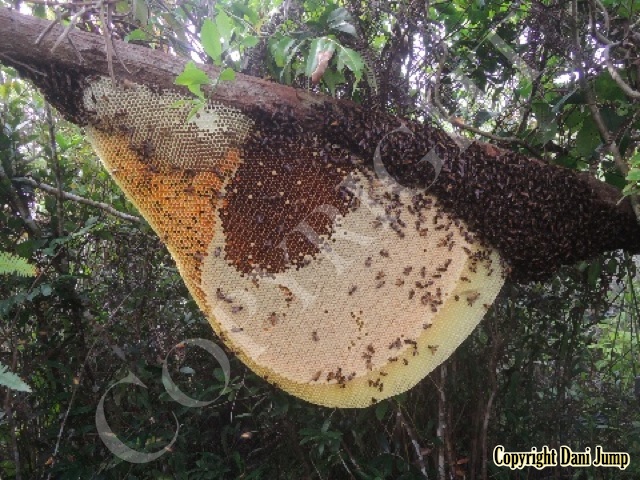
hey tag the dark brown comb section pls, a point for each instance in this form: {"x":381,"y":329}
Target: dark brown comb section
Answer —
{"x":284,"y":197}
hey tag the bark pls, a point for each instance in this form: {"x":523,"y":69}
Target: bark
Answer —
{"x":537,"y":215}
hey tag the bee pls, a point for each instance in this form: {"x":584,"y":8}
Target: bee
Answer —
{"x":471,"y":298}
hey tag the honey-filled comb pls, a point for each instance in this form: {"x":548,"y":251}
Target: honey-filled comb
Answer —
{"x":333,"y":284}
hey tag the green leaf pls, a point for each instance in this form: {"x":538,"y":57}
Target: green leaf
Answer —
{"x":227,"y":75}
{"x":634,"y":161}
{"x":615,"y":179}
{"x":339,"y":15}
{"x":136,"y":35}
{"x":547,"y":132}
{"x":123,"y":6}
{"x":525,"y":88}
{"x":594,"y":271}
{"x":332,"y":78}
{"x":141,"y":12}
{"x":612,"y":120}
{"x":211,"y":41}
{"x":250,"y":41}
{"x":633,"y":175}
{"x":318,"y":45}
{"x":607,"y":89}
{"x":243,"y":11}
{"x":11,"y":380}
{"x":381,"y":410}
{"x":588,"y":139}
{"x":12,"y":264}
{"x":280,"y":50}
{"x":39,"y":11}
{"x":193,"y":78}
{"x":575,"y":118}
{"x":198,"y":104}
{"x":352,"y":60}
{"x":225,"y":26}
{"x":340,"y":19}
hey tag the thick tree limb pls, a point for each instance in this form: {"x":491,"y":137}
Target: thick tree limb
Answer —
{"x":538,"y":216}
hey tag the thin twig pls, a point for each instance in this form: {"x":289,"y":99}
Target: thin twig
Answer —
{"x":75,"y":198}
{"x":75,"y":49}
{"x":592,"y":20}
{"x":615,"y":75}
{"x":23,"y":65}
{"x":19,"y":204}
{"x":414,"y":442}
{"x":68,"y":28}
{"x":66,"y":414}
{"x":605,"y":14}
{"x":46,"y":31}
{"x":56,"y":168}
{"x":106,"y":32}
{"x":110,"y":8}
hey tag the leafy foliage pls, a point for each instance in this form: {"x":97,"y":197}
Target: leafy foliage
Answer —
{"x":11,"y":264}
{"x":12,"y":381}
{"x":553,"y":363}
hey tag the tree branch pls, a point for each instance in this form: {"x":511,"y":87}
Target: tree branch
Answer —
{"x":537,"y":215}
{"x":75,"y":198}
{"x":606,"y":135}
{"x":20,"y":206}
{"x":615,"y":75}
{"x":457,"y":122}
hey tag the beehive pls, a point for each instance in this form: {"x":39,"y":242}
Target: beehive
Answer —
{"x":337,"y":286}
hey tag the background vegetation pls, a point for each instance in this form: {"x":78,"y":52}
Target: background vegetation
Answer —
{"x":553,"y":363}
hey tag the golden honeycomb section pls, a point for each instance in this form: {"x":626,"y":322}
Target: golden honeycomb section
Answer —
{"x":339,"y":287}
{"x":179,"y":206}
{"x":391,"y":292}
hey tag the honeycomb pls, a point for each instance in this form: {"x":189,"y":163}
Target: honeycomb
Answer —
{"x":337,"y":286}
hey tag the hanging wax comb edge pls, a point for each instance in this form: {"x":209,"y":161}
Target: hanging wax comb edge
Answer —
{"x":315,"y":287}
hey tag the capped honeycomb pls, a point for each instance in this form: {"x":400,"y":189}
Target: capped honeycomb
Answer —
{"x":337,"y":286}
